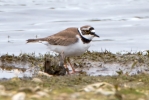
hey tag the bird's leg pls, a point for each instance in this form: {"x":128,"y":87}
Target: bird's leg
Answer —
{"x":64,"y":62}
{"x":62,"y":57}
{"x":73,"y":69}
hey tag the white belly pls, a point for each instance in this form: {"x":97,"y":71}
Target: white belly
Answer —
{"x":72,"y":50}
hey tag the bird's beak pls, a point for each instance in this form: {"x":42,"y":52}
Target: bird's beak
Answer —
{"x":95,"y":35}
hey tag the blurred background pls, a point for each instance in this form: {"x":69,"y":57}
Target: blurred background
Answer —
{"x":123,"y":25}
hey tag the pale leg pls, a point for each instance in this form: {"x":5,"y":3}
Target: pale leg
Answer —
{"x":73,"y":69}
{"x":63,"y":62}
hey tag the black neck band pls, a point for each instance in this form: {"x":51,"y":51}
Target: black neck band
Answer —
{"x":82,"y":38}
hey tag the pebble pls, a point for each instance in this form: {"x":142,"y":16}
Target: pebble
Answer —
{"x":19,"y":96}
{"x":42,"y":94}
{"x":39,"y":95}
{"x":75,"y":95}
{"x":26,"y":89}
{"x":37,"y":89}
{"x":102,"y":88}
{"x":3,"y":92}
{"x":37,"y":80}
{"x":40,"y":73}
{"x":2,"y":88}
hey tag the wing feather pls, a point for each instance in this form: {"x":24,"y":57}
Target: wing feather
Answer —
{"x":65,"y":37}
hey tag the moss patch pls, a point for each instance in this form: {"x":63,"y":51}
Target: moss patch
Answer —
{"x":70,"y":87}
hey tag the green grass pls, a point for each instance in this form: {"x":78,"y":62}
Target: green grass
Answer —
{"x":69,"y":87}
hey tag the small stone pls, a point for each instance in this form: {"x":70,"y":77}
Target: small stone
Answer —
{"x":102,"y":87}
{"x":19,"y":96}
{"x":37,"y":80}
{"x":37,"y":89}
{"x":40,"y":73}
{"x":63,"y":96}
{"x":3,"y":92}
{"x":35,"y":96}
{"x":26,"y":90}
{"x":2,"y":88}
{"x":42,"y":94}
{"x":75,"y":95}
{"x":141,"y":99}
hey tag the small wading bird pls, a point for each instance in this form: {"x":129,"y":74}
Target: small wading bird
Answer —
{"x":69,"y":42}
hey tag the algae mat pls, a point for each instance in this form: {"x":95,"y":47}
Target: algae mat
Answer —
{"x":92,"y":63}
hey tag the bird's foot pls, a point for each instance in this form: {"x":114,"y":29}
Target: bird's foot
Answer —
{"x":73,"y":72}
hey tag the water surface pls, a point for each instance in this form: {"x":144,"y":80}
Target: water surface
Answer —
{"x":123,"y":25}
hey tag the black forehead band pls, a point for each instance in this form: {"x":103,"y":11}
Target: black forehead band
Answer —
{"x":91,"y":28}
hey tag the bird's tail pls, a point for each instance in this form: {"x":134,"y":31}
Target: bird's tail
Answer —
{"x":36,"y":40}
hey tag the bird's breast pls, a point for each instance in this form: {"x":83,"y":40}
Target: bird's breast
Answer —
{"x":75,"y":49}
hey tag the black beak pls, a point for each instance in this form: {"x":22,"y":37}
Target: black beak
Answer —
{"x":95,"y":35}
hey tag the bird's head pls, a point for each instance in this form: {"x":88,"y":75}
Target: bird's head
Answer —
{"x":87,"y":32}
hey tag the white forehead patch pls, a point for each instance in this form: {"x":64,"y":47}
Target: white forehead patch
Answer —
{"x":86,"y":28}
{"x":93,"y":31}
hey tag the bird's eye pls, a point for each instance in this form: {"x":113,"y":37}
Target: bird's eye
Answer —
{"x":87,"y":31}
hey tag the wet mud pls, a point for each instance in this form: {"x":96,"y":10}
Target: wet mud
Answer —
{"x":91,"y":63}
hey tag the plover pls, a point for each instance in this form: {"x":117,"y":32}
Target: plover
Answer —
{"x":72,"y":41}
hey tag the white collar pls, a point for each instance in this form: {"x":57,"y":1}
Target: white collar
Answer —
{"x":88,"y":37}
{"x":79,"y":29}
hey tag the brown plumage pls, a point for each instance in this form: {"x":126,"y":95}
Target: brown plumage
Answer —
{"x":72,"y":41}
{"x":65,"y":37}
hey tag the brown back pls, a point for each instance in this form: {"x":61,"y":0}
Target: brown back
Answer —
{"x":65,"y":37}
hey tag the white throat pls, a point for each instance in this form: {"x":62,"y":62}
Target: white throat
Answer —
{"x":89,"y":37}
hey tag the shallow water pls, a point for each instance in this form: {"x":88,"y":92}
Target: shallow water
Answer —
{"x":122,"y":25}
{"x":115,"y":69}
